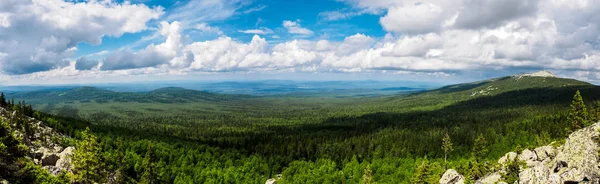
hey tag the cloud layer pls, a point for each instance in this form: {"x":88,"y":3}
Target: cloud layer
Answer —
{"x":423,"y":36}
{"x":38,"y":35}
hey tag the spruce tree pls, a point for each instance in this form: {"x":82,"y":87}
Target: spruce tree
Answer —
{"x":368,"y":176}
{"x":3,"y":102}
{"x":578,"y":116}
{"x":595,"y":116}
{"x":480,"y":150}
{"x":423,"y":173}
{"x":149,"y":164}
{"x":447,"y":147}
{"x":11,"y":150}
{"x":87,"y":159}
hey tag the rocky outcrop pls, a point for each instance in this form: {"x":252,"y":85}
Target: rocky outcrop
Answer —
{"x":271,"y":181}
{"x":508,"y":156}
{"x":452,"y":177}
{"x":50,"y":160}
{"x":576,"y":161}
{"x":489,"y":178}
{"x":43,"y":142}
{"x":64,"y":162}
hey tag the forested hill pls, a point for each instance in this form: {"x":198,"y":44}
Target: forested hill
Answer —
{"x":213,"y":138}
{"x":509,"y":83}
{"x":92,"y":94}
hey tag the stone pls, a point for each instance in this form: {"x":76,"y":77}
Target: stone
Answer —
{"x":508,"y":156}
{"x":491,"y":178}
{"x":545,"y":152}
{"x":53,"y":170}
{"x":577,"y":160}
{"x":271,"y":181}
{"x":529,"y":157}
{"x":38,"y":155}
{"x":50,"y":160}
{"x":452,"y":177}
{"x":66,"y":155}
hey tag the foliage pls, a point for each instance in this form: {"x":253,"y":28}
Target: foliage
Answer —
{"x":425,"y":173}
{"x":240,"y":139}
{"x":87,"y":160}
{"x":447,"y":147}
{"x":367,"y":177}
{"x":512,"y":169}
{"x":578,"y":116}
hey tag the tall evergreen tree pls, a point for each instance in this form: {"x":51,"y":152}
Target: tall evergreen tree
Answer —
{"x":149,"y":164}
{"x":87,"y":159}
{"x":3,"y":102}
{"x":423,"y":173}
{"x":578,"y":116}
{"x":480,"y":150}
{"x":447,"y":147}
{"x":595,"y":116}
{"x":11,"y":149}
{"x":368,"y":176}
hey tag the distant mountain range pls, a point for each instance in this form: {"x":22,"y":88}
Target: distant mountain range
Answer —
{"x":257,"y":88}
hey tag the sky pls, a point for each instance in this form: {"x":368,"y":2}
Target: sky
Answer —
{"x":447,"y":41}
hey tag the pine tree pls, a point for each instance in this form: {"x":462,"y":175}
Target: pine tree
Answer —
{"x":447,"y":147}
{"x":480,"y":150}
{"x":595,"y":115}
{"x":578,"y":116}
{"x":11,"y":149}
{"x":368,"y":176}
{"x":149,"y":165}
{"x":87,"y":160}
{"x":3,"y":102}
{"x":423,"y":173}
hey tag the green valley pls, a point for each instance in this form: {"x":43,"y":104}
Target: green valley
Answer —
{"x":192,"y":136}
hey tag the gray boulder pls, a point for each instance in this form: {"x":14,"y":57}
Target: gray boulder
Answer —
{"x":545,"y":152}
{"x":529,"y":157}
{"x":491,"y":178}
{"x":507,"y":157}
{"x":64,"y":162}
{"x":271,"y":181}
{"x":452,"y":177}
{"x":50,"y":160}
{"x":576,"y":161}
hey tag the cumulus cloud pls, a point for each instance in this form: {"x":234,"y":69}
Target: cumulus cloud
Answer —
{"x":152,"y":55}
{"x":85,"y":64}
{"x":38,"y":35}
{"x":436,"y":36}
{"x":294,"y":27}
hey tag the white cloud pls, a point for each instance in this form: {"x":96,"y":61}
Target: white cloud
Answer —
{"x":153,"y":55}
{"x":340,"y":15}
{"x":193,"y":12}
{"x":417,"y":18}
{"x":206,"y":28}
{"x":261,"y":31}
{"x":48,"y":31}
{"x":295,"y":28}
{"x":254,"y":9}
{"x":437,"y":37}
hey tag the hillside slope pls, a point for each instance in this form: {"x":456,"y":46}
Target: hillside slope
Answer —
{"x":575,"y":161}
{"x":89,"y":94}
{"x":31,"y":151}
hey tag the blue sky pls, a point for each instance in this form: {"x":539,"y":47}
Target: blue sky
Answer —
{"x":79,"y":41}
{"x":256,"y":15}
